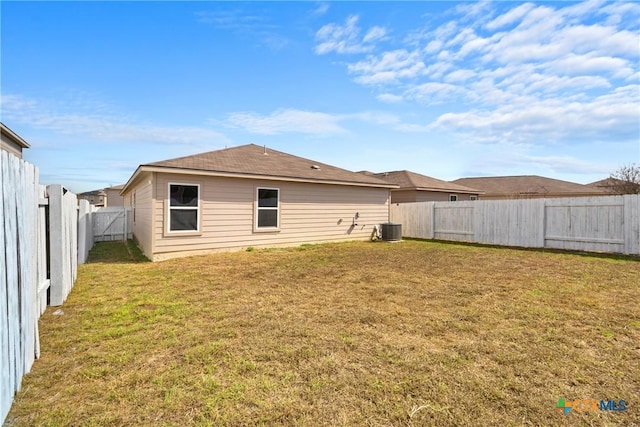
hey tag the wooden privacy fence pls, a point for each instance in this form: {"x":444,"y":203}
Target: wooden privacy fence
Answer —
{"x":598,"y":224}
{"x":112,"y":223}
{"x":41,"y":229}
{"x":20,"y":272}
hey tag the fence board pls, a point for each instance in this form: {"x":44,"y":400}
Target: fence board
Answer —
{"x":112,"y":223}
{"x":589,"y":223}
{"x":454,"y":221}
{"x":6,"y":387}
{"x":19,"y":311}
{"x":85,"y":230}
{"x":416,"y":219}
{"x":63,"y":229}
{"x":25,"y":207}
{"x":598,"y":224}
{"x":41,"y":255}
{"x":500,"y":222}
{"x":631,"y":224}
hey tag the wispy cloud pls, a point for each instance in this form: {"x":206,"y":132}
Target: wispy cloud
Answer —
{"x":292,"y":121}
{"x":525,"y":72}
{"x":257,"y":26}
{"x":346,"y":38}
{"x":286,"y":121}
{"x":86,"y":122}
{"x":322,"y":8}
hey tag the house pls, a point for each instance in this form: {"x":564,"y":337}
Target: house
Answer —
{"x":97,"y":198}
{"x":105,"y":197}
{"x":249,"y":196}
{"x":527,"y":187}
{"x":414,"y":187}
{"x":114,"y":198}
{"x":11,"y":141}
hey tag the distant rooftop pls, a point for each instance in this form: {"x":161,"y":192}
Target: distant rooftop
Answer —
{"x":526,"y":185}
{"x":415,"y":181}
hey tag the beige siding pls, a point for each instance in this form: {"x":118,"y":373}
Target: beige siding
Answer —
{"x":309,"y":213}
{"x":410,"y":196}
{"x":114,"y":199}
{"x":143,"y":213}
{"x":403,"y":196}
{"x":7,"y":144}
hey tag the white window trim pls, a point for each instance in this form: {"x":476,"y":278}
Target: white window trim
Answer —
{"x":258,"y":208}
{"x":473,"y":197}
{"x":451,"y":196}
{"x":189,"y":208}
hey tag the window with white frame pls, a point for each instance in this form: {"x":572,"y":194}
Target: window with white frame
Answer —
{"x":267,"y":208}
{"x":184,"y":207}
{"x":453,"y":197}
{"x":473,"y":197}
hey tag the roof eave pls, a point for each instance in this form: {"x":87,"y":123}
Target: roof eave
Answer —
{"x":201,"y":172}
{"x":14,"y":136}
{"x":443,"y":190}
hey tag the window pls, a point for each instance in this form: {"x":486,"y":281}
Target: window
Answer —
{"x":184,"y":207}
{"x":453,"y":197}
{"x":267,"y":208}
{"x":473,"y":197}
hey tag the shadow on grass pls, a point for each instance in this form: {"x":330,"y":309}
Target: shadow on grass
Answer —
{"x":606,"y":255}
{"x":116,"y":252}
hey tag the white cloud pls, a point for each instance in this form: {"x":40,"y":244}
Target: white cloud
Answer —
{"x":590,"y":64}
{"x":525,"y":72}
{"x":322,"y":8}
{"x":316,"y":123}
{"x":287,"y":121}
{"x":459,"y":76}
{"x":389,"y":67}
{"x":510,"y":17}
{"x":566,"y":164}
{"x":346,"y":38}
{"x":389,"y":98}
{"x":374,"y":34}
{"x":102,"y":126}
{"x":613,"y":116}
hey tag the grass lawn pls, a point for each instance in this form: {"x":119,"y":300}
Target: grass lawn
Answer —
{"x":354,"y":334}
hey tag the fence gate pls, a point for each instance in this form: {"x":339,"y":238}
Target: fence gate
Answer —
{"x":112,"y":224}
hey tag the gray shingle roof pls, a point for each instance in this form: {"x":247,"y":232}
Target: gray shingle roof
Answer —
{"x":411,"y":180}
{"x":525,"y":185}
{"x":252,"y":159}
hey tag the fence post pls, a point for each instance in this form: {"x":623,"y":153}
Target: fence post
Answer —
{"x":56,"y":245}
{"x":432,"y":233}
{"x":126,"y":224}
{"x":631,"y":223}
{"x":85,"y":230}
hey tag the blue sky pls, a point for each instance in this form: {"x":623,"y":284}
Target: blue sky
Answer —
{"x":446,"y":89}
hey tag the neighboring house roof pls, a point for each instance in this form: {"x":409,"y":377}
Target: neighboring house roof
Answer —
{"x":115,"y":187}
{"x":408,"y":180}
{"x":253,"y":161}
{"x":525,"y":185}
{"x":17,"y":139}
{"x":93,"y":193}
{"x":606,"y":184}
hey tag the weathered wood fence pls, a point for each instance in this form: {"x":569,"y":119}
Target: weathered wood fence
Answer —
{"x":40,"y":231}
{"x":598,"y":224}
{"x":112,"y":223}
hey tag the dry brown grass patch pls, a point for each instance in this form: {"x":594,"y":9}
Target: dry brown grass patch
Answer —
{"x":414,"y":333}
